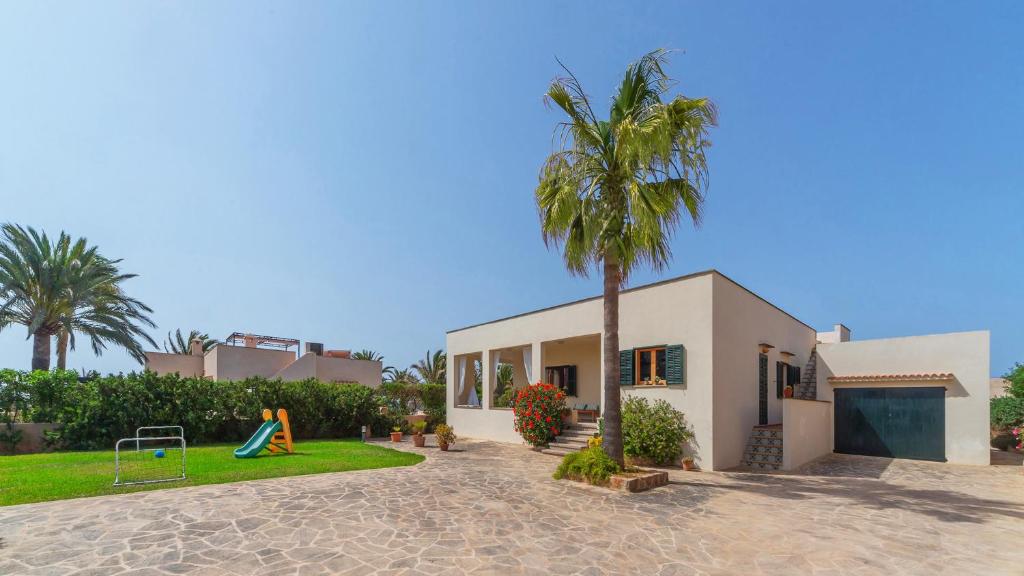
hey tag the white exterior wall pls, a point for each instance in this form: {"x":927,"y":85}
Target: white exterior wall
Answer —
{"x":807,"y":433}
{"x":963,"y":354}
{"x":742,"y":322}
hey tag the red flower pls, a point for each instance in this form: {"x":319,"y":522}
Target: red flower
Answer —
{"x":548,"y":419}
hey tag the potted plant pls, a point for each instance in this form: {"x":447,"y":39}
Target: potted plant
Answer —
{"x":445,"y":435}
{"x":396,"y":433}
{"x":418,"y":439}
{"x":787,"y":392}
{"x":688,"y":464}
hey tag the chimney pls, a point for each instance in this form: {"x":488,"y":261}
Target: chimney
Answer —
{"x":843,"y":333}
{"x":839,"y":333}
{"x":249,"y":341}
{"x":196,"y":347}
{"x":315,"y":348}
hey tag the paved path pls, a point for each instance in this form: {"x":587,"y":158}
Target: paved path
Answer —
{"x":493,"y":509}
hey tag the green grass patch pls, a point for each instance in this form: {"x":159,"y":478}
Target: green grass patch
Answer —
{"x":62,"y":475}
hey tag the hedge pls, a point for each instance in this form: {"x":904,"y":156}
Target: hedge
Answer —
{"x":95,"y":412}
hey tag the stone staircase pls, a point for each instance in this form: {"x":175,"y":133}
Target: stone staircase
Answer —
{"x":807,"y":389}
{"x":764,"y":448}
{"x":571,"y":439}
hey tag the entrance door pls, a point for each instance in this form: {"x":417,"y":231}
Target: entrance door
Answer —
{"x":892,"y":422}
{"x":762,"y":390}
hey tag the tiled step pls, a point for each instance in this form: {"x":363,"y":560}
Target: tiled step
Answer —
{"x":764,"y":448}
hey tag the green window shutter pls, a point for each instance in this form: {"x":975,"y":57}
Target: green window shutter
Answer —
{"x":626,"y":367}
{"x":570,"y":381}
{"x":675,"y":364}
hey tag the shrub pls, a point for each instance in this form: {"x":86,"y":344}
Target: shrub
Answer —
{"x":538,"y":413}
{"x":1004,"y":441}
{"x":1006,"y":412}
{"x":655,"y":432}
{"x":507,"y":397}
{"x":445,"y":434}
{"x":432,"y":398}
{"x":94,"y":413}
{"x":592,"y":465}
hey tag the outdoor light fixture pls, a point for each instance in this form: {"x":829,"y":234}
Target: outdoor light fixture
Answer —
{"x":765,"y":347}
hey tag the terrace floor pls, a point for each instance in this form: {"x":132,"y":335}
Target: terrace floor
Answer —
{"x":489,"y":508}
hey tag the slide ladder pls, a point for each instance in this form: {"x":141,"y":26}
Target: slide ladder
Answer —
{"x":274,"y":436}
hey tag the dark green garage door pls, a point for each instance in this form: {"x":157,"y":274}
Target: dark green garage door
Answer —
{"x":893,"y":422}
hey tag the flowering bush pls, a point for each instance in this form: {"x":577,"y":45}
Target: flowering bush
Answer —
{"x":538,"y":412}
{"x":1019,"y":433}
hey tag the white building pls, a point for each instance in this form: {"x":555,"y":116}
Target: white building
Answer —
{"x":723,"y":355}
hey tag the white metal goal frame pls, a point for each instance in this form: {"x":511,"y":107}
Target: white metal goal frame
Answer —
{"x":139,"y":440}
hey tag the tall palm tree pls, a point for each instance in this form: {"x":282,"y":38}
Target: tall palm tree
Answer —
{"x":365,"y":354}
{"x":433,"y":368}
{"x":613,"y":193}
{"x":179,"y":344}
{"x":62,"y":288}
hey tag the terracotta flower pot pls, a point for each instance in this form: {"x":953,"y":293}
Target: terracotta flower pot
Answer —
{"x":443,"y":446}
{"x":396,"y":436}
{"x":688,"y":465}
{"x":419,"y":440}
{"x":787,"y":392}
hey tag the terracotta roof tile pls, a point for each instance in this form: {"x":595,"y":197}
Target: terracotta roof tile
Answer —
{"x":923,"y":377}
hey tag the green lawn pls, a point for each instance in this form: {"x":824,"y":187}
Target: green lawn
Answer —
{"x":61,"y":475}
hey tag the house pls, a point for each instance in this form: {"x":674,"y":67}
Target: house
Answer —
{"x":723,"y":356}
{"x":245,"y":355}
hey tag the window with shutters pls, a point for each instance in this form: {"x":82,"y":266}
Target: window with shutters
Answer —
{"x":653,"y":366}
{"x":649,"y":366}
{"x":562,"y":376}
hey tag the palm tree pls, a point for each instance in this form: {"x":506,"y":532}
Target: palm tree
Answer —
{"x":613,"y":193}
{"x":63,"y":288}
{"x":433,"y":368}
{"x":179,"y":344}
{"x":405,"y":376}
{"x":365,"y":354}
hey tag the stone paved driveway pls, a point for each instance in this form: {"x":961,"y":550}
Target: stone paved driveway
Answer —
{"x":493,"y":509}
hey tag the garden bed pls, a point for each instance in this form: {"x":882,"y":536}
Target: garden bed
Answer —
{"x":638,"y":480}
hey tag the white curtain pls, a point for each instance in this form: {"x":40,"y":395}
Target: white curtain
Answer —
{"x":528,"y":363}
{"x":495,"y":360}
{"x":474,"y":400}
{"x":462,"y":378}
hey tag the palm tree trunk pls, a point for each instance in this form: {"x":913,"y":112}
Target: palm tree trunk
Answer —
{"x":62,"y":349}
{"x":612,"y":440}
{"x":41,"y":350}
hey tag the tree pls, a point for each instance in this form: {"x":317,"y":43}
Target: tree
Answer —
{"x":1015,"y":377}
{"x":433,"y":368}
{"x":179,"y":344}
{"x":62,"y":288}
{"x":365,"y":354}
{"x":405,"y":376}
{"x":611,"y":196}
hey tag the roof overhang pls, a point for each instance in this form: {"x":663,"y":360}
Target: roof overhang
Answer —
{"x":928,"y":378}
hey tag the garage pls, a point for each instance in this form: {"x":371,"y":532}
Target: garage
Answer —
{"x":896,"y":422}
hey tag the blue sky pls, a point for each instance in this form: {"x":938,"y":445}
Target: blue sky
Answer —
{"x":362,"y":174}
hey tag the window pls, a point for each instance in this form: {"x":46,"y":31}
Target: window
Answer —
{"x":650,"y":366}
{"x":562,"y":376}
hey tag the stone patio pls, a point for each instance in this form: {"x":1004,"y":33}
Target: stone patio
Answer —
{"x":488,"y":508}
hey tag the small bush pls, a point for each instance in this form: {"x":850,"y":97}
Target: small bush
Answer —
{"x":592,"y":465}
{"x":655,"y":432}
{"x":538,"y":413}
{"x":1004,"y":441}
{"x":445,"y":434}
{"x":1006,"y":412}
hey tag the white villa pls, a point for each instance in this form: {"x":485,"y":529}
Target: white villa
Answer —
{"x":723,"y":355}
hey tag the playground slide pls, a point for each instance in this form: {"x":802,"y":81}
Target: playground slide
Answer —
{"x":259,"y":440}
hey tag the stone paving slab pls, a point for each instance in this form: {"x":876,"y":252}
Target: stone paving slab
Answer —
{"x":490,"y":508}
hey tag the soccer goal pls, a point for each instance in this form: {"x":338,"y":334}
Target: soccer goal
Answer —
{"x":157,"y":456}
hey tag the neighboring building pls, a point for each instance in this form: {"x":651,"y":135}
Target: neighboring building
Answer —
{"x":244,"y":355}
{"x":997,"y":387}
{"x":723,"y":355}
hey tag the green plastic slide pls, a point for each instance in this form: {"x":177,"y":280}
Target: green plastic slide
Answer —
{"x":259,"y":440}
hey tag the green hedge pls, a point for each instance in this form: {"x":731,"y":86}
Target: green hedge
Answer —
{"x":1006,"y":412}
{"x":95,"y":412}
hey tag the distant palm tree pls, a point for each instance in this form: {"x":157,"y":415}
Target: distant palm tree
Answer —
{"x":614,"y":192}
{"x":179,"y":344}
{"x":365,"y":354}
{"x":406,"y":376}
{"x":63,"y":288}
{"x":433,"y":368}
